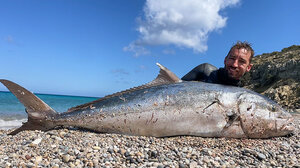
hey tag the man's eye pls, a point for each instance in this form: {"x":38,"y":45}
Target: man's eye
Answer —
{"x":243,"y":61}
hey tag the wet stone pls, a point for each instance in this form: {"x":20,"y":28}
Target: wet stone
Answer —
{"x":260,"y":156}
{"x":182,"y":166}
{"x":110,"y":151}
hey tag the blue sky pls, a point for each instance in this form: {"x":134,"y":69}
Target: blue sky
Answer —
{"x":95,"y":48}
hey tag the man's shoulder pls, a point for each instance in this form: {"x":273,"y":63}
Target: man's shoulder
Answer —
{"x":200,"y":72}
{"x":206,"y":68}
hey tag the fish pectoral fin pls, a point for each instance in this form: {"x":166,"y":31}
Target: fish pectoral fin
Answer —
{"x":231,"y":117}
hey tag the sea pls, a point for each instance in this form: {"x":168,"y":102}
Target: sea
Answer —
{"x":12,"y":112}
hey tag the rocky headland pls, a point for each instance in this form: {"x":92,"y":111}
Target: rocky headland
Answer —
{"x":277,"y":76}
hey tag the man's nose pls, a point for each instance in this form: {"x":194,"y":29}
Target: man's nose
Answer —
{"x":235,"y":63}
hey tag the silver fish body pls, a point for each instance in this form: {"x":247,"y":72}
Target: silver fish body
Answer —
{"x":166,"y":107}
{"x":185,"y":108}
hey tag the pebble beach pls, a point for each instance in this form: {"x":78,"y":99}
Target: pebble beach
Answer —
{"x":80,"y":148}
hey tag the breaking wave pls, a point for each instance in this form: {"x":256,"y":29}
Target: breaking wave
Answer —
{"x":8,"y":124}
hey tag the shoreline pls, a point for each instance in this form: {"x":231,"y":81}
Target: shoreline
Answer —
{"x":79,"y":148}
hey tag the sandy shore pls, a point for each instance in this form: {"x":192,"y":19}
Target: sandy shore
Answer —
{"x":77,"y":148}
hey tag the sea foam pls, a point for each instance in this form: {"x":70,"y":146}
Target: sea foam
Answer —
{"x":5,"y":125}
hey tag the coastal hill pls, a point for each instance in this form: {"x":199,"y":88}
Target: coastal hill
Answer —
{"x":277,"y":76}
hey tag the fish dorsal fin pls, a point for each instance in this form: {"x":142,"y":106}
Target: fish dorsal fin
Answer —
{"x":28,"y":99}
{"x":165,"y":76}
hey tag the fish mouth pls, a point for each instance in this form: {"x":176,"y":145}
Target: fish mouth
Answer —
{"x":289,"y":128}
{"x":286,"y":127}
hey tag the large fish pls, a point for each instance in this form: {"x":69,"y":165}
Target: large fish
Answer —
{"x":166,"y":106}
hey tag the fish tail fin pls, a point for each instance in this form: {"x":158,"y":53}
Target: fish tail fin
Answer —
{"x":39,"y":113}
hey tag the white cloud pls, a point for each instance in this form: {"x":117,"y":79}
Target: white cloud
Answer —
{"x":140,"y":69}
{"x":136,"y":49}
{"x":119,"y":72}
{"x":184,"y":23}
{"x":9,"y":39}
{"x":169,"y":51}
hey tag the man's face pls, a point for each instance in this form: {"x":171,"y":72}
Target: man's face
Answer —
{"x":237,"y":63}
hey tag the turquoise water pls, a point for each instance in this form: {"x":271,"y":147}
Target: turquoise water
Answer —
{"x":12,"y":112}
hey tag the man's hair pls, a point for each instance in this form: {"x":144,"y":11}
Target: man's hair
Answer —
{"x":239,"y":45}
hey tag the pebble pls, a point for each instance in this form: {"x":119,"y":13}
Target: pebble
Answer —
{"x":96,"y":147}
{"x":62,"y":133}
{"x":76,"y":148}
{"x":27,"y":157}
{"x":66,"y":158}
{"x":38,"y":159}
{"x":29,"y":165}
{"x":35,"y":142}
{"x":55,"y":166}
{"x":181,"y":165}
{"x":193,"y":164}
{"x":260,"y":156}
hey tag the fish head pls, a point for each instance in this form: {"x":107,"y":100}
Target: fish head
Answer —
{"x":263,"y":118}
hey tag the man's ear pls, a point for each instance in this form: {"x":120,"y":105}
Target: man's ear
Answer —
{"x":249,"y":67}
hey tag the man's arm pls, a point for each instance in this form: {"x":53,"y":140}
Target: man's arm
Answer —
{"x":199,"y":73}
